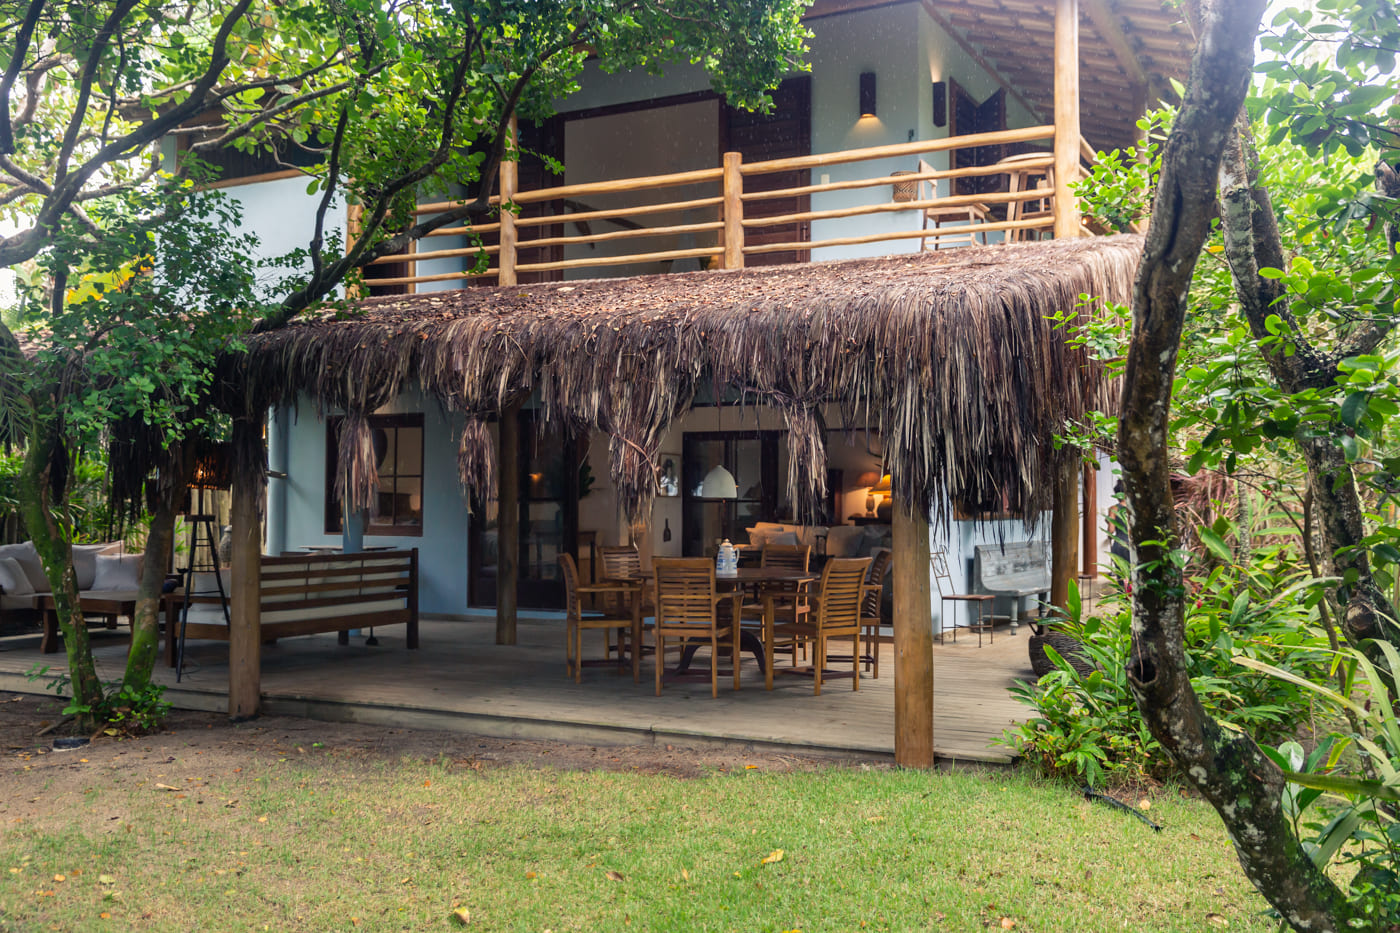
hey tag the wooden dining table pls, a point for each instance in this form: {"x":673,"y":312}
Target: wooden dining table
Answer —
{"x":767,"y":582}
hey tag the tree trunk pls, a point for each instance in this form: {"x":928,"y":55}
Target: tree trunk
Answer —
{"x":1226,"y":767}
{"x":43,"y":495}
{"x":145,"y":624}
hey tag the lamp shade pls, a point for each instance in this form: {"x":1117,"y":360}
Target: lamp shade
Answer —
{"x":868,"y":479}
{"x":211,"y":467}
{"x":883,"y":485}
{"x":719,"y":484}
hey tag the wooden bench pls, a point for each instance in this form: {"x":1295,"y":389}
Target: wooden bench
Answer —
{"x":1016,"y":570}
{"x":311,"y":594}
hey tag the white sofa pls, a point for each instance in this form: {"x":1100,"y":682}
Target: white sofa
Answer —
{"x":106,"y":578}
{"x":832,"y":541}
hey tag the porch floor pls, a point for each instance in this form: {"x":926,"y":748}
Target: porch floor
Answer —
{"x":460,"y":680}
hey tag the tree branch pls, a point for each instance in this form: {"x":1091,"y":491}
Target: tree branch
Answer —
{"x":22,"y":39}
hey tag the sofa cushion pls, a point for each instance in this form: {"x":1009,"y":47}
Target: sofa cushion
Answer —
{"x":13,"y":580}
{"x":843,"y":540}
{"x":117,"y":572}
{"x":85,"y":563}
{"x":28,"y":558}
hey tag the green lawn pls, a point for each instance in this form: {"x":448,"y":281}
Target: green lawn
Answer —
{"x":318,"y":844}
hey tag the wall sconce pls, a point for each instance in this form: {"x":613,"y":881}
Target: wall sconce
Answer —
{"x":867,"y":93}
{"x":940,"y":103}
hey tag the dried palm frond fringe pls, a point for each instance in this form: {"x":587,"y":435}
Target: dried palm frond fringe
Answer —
{"x":952,"y":353}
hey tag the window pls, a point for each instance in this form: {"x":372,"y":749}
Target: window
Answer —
{"x":398,"y":451}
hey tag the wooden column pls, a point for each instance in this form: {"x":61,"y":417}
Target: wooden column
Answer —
{"x":733,"y":211}
{"x":913,"y":641}
{"x":1090,"y":543}
{"x":1064,"y":529}
{"x":510,"y":181}
{"x":507,"y":523}
{"x":245,"y":620}
{"x":1066,"y":117}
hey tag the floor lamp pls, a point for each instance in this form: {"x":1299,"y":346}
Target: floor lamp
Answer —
{"x":211,"y":472}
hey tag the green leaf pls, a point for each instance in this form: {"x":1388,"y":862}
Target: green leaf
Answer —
{"x":1354,"y":408}
{"x":1341,"y":784}
{"x":1215,"y":544}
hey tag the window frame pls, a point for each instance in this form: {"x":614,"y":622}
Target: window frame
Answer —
{"x":332,"y":518}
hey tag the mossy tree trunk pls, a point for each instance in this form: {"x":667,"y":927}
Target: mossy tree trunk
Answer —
{"x":160,"y":543}
{"x":43,"y":495}
{"x":1228,"y":768}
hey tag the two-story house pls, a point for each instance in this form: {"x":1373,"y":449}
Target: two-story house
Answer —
{"x":924,"y":125}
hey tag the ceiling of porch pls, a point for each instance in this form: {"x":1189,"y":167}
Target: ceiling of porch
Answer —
{"x":1128,"y":52}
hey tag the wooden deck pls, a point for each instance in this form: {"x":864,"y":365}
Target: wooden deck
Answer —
{"x":461,"y":680}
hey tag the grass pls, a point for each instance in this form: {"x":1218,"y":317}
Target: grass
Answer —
{"x":322,"y":845}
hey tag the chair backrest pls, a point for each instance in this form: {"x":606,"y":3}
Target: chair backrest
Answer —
{"x":685,"y":591}
{"x":879,"y":569}
{"x":842,"y":588}
{"x":621,"y":562}
{"x":928,"y":187}
{"x":786,"y":556}
{"x":571,"y":597}
{"x":942,"y":579}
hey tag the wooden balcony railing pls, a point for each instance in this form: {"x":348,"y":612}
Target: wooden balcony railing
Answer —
{"x":739,"y":212}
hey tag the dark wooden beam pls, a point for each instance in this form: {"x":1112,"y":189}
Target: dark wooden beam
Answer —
{"x":507,"y":523}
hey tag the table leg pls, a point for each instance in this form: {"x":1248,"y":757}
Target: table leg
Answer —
{"x":734,"y":636}
{"x":768,"y":625}
{"x":49,"y":643}
{"x":637,"y":637}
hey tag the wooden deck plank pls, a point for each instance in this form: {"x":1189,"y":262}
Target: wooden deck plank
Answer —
{"x":460,"y":678}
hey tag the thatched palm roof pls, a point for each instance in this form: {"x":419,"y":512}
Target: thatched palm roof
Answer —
{"x":949,"y":354}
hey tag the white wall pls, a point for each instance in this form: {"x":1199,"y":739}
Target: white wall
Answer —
{"x":442,"y":548}
{"x":283,"y":216}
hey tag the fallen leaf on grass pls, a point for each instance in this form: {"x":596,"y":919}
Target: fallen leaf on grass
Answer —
{"x":262,"y":819}
{"x":685,"y":875}
{"x":105,"y":916}
{"x":1217,"y":920}
{"x":165,"y":787}
{"x":1007,"y":923}
{"x":614,"y":875}
{"x":106,"y":879}
{"x":462,"y":916}
{"x":529,"y":874}
{"x":775,"y":856}
{"x":60,"y":878}
{"x":1144,"y":804}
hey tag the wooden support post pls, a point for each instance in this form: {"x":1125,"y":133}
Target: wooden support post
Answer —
{"x":1067,"y":216}
{"x":510,"y":181}
{"x":507,"y":523}
{"x":354,"y":226}
{"x":1064,"y":529}
{"x":245,"y":619}
{"x":913,"y":641}
{"x":733,"y":211}
{"x":1090,"y":543}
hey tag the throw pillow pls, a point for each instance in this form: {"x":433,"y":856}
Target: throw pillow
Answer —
{"x":28,"y":559}
{"x":784,"y":537}
{"x":13,"y":581}
{"x":85,"y":563}
{"x":121,"y":572}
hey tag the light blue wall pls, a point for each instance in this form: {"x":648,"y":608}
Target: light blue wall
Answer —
{"x":442,"y":548}
{"x":283,"y":216}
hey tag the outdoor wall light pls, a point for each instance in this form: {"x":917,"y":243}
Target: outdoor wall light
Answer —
{"x":940,"y":103}
{"x":867,"y":93}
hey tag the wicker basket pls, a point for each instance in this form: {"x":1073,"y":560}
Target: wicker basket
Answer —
{"x":904,"y":191}
{"x":1066,"y":647}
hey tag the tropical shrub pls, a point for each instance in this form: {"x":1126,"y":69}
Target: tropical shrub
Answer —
{"x":1087,"y":727}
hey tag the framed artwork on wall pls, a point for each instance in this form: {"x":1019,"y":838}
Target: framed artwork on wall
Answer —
{"x":669,"y":474}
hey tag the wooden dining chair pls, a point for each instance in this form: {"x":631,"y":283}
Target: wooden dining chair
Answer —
{"x":966,"y":217}
{"x":870,"y":611}
{"x":790,"y":602}
{"x":835,"y":614}
{"x":625,"y":620}
{"x":689,"y":609}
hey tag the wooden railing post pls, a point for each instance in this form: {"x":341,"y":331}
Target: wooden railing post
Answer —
{"x":1066,"y":206}
{"x":354,"y":226}
{"x":913,"y":640}
{"x":733,"y":211}
{"x":510,"y":181}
